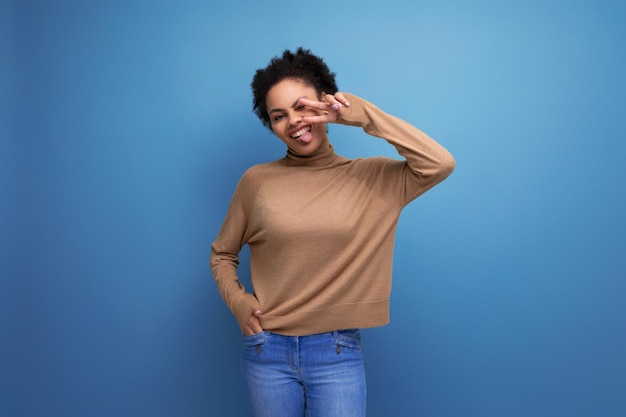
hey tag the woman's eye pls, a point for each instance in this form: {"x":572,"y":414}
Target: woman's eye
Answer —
{"x":300,"y":107}
{"x":277,"y":118}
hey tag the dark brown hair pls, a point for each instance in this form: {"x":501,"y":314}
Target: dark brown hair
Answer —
{"x":301,"y":65}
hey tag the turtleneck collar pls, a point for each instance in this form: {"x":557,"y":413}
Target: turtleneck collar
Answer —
{"x":323,"y":156}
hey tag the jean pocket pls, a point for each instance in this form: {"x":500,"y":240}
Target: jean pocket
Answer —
{"x":253,"y":342}
{"x":350,"y":338}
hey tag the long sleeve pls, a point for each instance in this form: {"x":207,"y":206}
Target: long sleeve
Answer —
{"x":321,"y":229}
{"x":224,"y":260}
{"x":427,"y":162}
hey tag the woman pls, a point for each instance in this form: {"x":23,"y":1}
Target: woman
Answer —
{"x":320,"y":229}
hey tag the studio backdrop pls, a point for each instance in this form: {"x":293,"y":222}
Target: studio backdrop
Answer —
{"x":127,"y":124}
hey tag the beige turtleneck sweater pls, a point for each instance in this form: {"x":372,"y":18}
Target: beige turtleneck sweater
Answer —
{"x":321,"y":229}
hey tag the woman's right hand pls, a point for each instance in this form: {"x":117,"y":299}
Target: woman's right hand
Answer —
{"x":253,"y":326}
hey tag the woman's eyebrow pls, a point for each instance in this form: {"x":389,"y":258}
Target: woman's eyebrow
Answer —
{"x":296,"y":102}
{"x":292,"y":105}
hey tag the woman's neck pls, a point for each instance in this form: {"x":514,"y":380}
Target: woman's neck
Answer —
{"x":322,"y":156}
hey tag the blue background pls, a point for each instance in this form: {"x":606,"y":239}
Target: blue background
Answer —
{"x":126,"y":126}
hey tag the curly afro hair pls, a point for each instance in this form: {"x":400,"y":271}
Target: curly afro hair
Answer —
{"x":301,"y":65}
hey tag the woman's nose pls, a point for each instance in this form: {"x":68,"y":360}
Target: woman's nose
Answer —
{"x":294,"y":119}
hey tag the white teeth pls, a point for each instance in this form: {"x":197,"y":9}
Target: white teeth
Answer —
{"x":300,"y":132}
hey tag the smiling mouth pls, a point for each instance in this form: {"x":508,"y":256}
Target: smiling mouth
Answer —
{"x":301,"y":132}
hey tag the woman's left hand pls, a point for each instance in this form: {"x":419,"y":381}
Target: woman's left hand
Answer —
{"x":331,"y":105}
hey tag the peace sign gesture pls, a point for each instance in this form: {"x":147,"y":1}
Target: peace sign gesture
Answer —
{"x":331,"y":106}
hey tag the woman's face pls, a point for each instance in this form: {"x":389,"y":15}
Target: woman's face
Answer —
{"x":286,"y":114}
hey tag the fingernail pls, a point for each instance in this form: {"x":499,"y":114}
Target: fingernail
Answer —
{"x":257,"y":312}
{"x":335,"y":107}
{"x":347,"y":104}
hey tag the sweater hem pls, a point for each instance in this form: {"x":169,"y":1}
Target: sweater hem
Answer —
{"x":342,"y":316}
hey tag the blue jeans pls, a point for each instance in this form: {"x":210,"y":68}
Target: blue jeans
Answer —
{"x":320,"y":375}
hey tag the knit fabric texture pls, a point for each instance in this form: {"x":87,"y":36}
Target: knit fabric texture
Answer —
{"x":321,"y":229}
